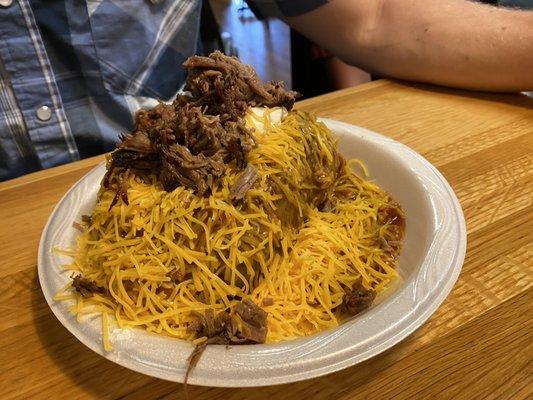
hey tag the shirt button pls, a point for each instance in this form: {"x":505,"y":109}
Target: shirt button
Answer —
{"x":5,"y":3}
{"x":43,"y":113}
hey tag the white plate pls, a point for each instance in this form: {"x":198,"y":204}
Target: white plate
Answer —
{"x":430,"y":263}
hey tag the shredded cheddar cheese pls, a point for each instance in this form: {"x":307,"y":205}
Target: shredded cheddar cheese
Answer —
{"x":166,"y":255}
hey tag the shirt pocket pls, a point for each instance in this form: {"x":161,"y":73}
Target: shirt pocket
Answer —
{"x":140,"y":46}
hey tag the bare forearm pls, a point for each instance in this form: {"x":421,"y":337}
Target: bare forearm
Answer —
{"x":447,"y":42}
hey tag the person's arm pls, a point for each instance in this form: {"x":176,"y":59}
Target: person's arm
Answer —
{"x":447,"y":42}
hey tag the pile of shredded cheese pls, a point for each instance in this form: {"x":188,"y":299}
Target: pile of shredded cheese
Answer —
{"x":167,"y":254}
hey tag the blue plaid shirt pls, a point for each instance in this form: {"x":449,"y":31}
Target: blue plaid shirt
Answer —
{"x":73,"y":73}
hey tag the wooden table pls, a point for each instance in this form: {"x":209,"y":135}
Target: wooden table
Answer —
{"x":477,"y":345}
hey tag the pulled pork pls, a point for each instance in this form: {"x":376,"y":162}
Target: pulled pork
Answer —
{"x":244,"y":182}
{"x":85,"y":286}
{"x":357,"y":299}
{"x":227,"y":87}
{"x":223,"y":328}
{"x":191,"y":141}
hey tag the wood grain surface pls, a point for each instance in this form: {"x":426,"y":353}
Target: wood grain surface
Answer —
{"x":479,"y":343}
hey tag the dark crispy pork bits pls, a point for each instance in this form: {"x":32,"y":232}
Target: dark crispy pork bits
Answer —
{"x":391,"y":216}
{"x":78,"y":226}
{"x":254,"y":318}
{"x":244,"y":182}
{"x":190,"y":142}
{"x":357,"y":299}
{"x":222,"y":328}
{"x":121,"y":188}
{"x":85,"y":286}
{"x":138,"y":143}
{"x":193,"y":360}
{"x":268,"y":301}
{"x":228,"y":87}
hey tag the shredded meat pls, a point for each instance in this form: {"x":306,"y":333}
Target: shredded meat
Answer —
{"x":254,"y":322}
{"x":192,"y":361}
{"x":227,"y":87}
{"x":178,"y":275}
{"x":392,"y":215}
{"x":128,"y":285}
{"x":192,"y":141}
{"x":139,"y":143}
{"x":223,"y":328}
{"x":124,"y":158}
{"x":268,"y":301}
{"x":121,"y":189}
{"x":245,"y":181}
{"x":78,"y":226}
{"x":214,"y":327}
{"x":384,"y":244}
{"x":325,"y":206}
{"x":357,"y":299}
{"x":86,"y":220}
{"x":85,"y":286}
